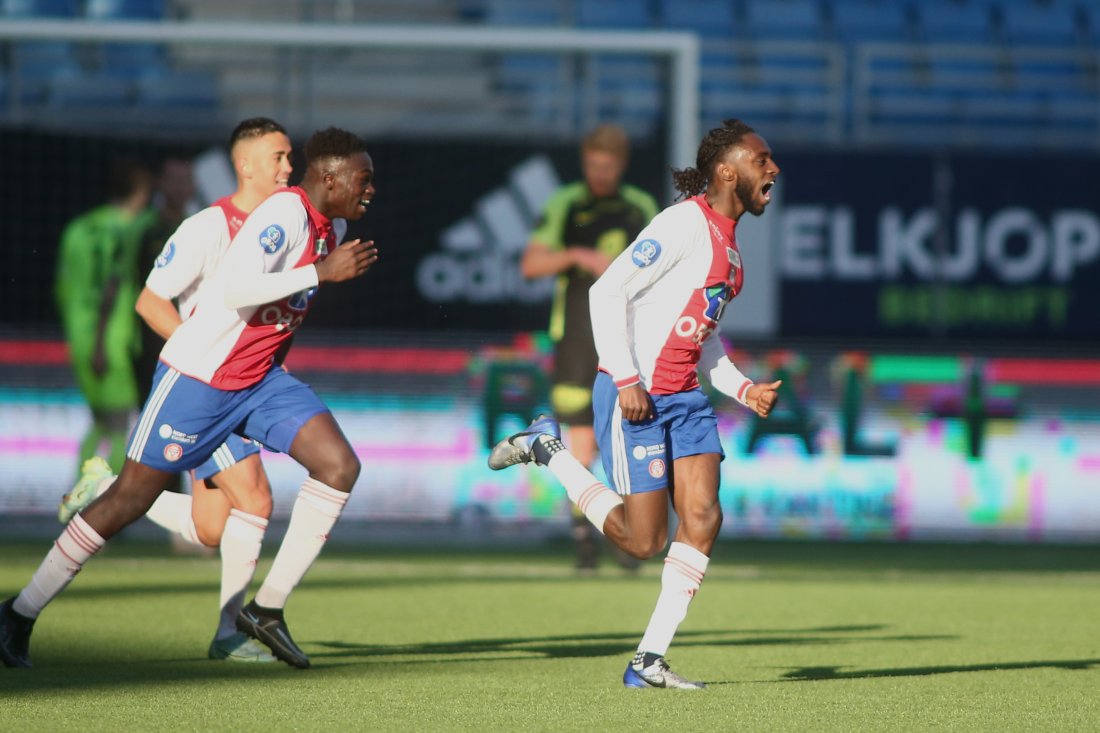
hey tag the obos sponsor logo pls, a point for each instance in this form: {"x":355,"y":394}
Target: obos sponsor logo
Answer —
{"x":656,"y":468}
{"x":174,"y":451}
{"x":166,"y":254}
{"x":167,"y":432}
{"x":640,"y":452}
{"x":272,"y":238}
{"x":646,"y":252}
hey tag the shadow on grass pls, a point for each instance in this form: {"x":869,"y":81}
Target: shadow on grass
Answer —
{"x":813,"y":674}
{"x":89,"y":667}
{"x":602,"y":645}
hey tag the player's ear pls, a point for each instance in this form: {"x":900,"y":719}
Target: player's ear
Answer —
{"x":726,"y":172}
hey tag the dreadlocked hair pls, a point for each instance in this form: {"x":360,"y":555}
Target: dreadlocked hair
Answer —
{"x":333,"y":142}
{"x":693,"y":181}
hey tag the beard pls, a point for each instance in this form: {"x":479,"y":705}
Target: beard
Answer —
{"x":746,"y":194}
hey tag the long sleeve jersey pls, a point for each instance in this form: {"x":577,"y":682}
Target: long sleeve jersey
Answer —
{"x":656,"y":307}
{"x":259,"y":295}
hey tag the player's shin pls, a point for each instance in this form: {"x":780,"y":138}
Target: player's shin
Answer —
{"x":76,"y":545}
{"x":315,"y":513}
{"x":683,"y":573}
{"x":240,"y":549}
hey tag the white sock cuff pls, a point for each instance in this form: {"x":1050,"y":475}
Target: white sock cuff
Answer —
{"x":323,"y":498}
{"x":686,"y":560}
{"x":252,"y":521}
{"x":80,"y":536}
{"x":600,"y":505}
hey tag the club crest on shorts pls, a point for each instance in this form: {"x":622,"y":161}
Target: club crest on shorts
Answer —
{"x":645,"y":252}
{"x":173,"y":452}
{"x":271,"y":238}
{"x":657,"y":468}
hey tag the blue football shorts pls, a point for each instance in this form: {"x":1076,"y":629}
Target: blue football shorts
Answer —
{"x":636,"y":456}
{"x":234,"y":450}
{"x":185,"y":421}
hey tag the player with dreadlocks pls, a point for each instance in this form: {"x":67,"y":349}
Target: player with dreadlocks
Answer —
{"x":218,"y":374}
{"x":654,"y":313}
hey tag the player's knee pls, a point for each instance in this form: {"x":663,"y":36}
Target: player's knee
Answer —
{"x":645,"y":547}
{"x":210,"y":536}
{"x":342,"y":473}
{"x":703,"y":523}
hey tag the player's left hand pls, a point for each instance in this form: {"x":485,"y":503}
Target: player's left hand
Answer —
{"x":761,"y":398}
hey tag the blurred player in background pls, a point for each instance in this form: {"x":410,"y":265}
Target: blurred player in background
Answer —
{"x":220,"y":373}
{"x":583,"y":227}
{"x":235,"y":518}
{"x":95,"y":290}
{"x":173,"y":191}
{"x":654,"y":314}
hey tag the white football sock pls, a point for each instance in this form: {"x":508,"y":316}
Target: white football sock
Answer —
{"x":76,"y":545}
{"x":592,"y":496}
{"x":240,"y":549}
{"x":315,"y":512}
{"x":172,"y":510}
{"x":684,"y":570}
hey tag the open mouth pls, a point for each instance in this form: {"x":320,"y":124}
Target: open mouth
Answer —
{"x":364,"y":203}
{"x":767,"y":190}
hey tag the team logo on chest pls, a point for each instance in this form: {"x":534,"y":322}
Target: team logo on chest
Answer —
{"x":320,"y":247}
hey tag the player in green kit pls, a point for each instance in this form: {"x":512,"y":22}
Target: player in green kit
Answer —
{"x":95,"y":289}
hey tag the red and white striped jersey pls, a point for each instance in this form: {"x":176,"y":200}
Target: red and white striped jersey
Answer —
{"x":658,"y":303}
{"x":233,"y":347}
{"x":193,"y":252}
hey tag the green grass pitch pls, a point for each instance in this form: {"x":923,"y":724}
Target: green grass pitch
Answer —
{"x":789,"y":637}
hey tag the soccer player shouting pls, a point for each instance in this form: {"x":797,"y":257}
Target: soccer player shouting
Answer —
{"x":654,"y":313}
{"x":218,"y":374}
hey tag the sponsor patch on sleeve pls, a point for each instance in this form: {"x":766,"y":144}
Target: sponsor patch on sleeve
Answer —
{"x":271,"y":238}
{"x":166,"y":254}
{"x":645,"y":252}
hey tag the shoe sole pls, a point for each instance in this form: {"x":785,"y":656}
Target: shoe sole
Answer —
{"x":271,"y":641}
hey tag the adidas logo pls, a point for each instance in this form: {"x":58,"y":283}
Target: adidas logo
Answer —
{"x":478,"y":257}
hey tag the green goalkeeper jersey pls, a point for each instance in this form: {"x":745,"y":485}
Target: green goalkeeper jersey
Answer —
{"x":97,"y":279}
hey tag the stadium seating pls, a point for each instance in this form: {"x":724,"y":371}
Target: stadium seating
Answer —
{"x":944,"y":21}
{"x":32,"y":65}
{"x":39,"y":8}
{"x":797,"y":20}
{"x":851,"y":71}
{"x":631,"y":14}
{"x":125,"y":9}
{"x":710,"y":19}
{"x":1032,"y":23}
{"x":870,"y":20}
